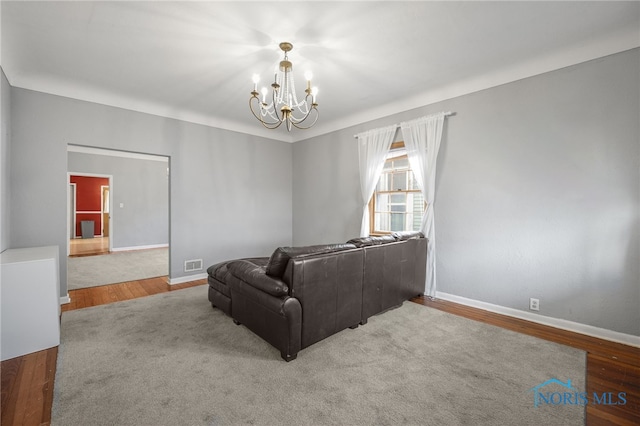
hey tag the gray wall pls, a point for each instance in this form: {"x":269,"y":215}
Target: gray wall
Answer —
{"x":5,"y":135}
{"x":537,"y":194}
{"x":230,"y":193}
{"x":538,"y":188}
{"x":142,"y":186}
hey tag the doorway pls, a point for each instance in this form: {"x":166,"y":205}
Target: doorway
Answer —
{"x":89,"y":214}
{"x":130,"y":215}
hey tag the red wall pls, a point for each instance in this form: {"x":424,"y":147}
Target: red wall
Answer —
{"x":89,"y":199}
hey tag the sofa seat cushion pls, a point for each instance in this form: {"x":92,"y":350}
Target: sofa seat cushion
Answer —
{"x":256,"y":277}
{"x":281,"y":256}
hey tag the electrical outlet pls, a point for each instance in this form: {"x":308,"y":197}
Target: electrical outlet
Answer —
{"x":534,"y":304}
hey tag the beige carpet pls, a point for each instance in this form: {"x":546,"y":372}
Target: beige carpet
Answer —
{"x":170,"y":359}
{"x":116,"y":267}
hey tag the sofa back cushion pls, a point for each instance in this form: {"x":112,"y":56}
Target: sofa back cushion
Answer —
{"x":407,"y":235}
{"x":281,"y":256}
{"x":371,"y":240}
{"x":255,"y":276}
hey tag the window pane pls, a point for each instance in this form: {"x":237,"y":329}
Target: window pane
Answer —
{"x":381,"y":222}
{"x":383,"y":182}
{"x":410,"y":224}
{"x":400,"y":181}
{"x":417,"y":203}
{"x":382,"y":202}
{"x":397,"y":222}
{"x":398,"y":198}
{"x":401,"y":163}
{"x":413,"y":184}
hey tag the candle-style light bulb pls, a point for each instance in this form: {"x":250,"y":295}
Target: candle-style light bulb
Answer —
{"x":314,"y":93}
{"x":264,"y":94}
{"x":256,"y":79}
{"x":308,"y":75}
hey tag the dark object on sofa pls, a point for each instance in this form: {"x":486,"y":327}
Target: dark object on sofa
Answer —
{"x":301,"y":295}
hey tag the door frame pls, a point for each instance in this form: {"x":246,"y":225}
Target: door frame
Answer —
{"x":70,"y":213}
{"x":102,"y":212}
{"x":71,"y":218}
{"x":126,"y":154}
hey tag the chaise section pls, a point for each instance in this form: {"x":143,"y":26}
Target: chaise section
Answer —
{"x":278,"y":320}
{"x":219,"y":291}
{"x":303,"y":295}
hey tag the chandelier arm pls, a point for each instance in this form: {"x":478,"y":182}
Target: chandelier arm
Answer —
{"x":269,"y":111}
{"x":307,"y":113}
{"x":303,"y":114}
{"x":259,"y":118}
{"x":304,"y":106}
{"x":266,"y":124}
{"x":309,"y":106}
{"x":301,"y":119}
{"x":272,"y":127}
{"x":310,"y":125}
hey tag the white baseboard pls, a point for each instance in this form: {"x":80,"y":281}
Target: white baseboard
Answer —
{"x":188,"y":278}
{"x":575,"y":327}
{"x":65,"y":299}
{"x":153,"y":246}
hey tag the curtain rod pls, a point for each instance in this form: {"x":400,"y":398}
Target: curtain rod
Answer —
{"x":446,"y":114}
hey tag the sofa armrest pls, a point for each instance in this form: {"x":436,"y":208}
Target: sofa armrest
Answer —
{"x":278,"y":320}
{"x":256,"y":277}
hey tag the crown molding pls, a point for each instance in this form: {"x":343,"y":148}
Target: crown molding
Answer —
{"x":116,"y":153}
{"x":620,"y":41}
{"x":617,"y":43}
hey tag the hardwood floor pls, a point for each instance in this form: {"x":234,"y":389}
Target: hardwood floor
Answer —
{"x":611,"y":367}
{"x":27,"y":381}
{"x":88,"y":246}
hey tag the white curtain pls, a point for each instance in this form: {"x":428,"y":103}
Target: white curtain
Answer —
{"x":373,"y":147}
{"x":422,"y":141}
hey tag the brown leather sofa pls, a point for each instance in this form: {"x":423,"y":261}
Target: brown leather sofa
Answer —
{"x":301,"y":295}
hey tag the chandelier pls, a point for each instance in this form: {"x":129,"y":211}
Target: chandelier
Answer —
{"x":283,"y":105}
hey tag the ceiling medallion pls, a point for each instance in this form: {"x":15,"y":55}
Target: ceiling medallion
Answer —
{"x":283,"y":105}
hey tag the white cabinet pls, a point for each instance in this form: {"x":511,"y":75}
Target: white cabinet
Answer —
{"x":29,"y":300}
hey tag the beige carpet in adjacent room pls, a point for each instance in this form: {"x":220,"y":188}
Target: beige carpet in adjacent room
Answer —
{"x":170,"y":359}
{"x":116,"y":267}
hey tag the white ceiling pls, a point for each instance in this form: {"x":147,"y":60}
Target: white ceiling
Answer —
{"x":194,"y":60}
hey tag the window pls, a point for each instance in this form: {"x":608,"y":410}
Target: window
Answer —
{"x":397,"y":203}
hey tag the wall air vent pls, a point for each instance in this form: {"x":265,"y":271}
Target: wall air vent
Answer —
{"x":193,"y":265}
